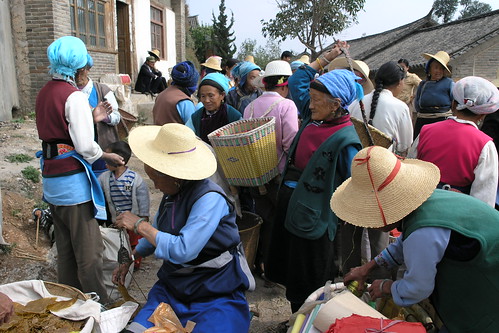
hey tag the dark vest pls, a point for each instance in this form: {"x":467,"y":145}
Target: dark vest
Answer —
{"x":165,"y":108}
{"x":52,"y":125}
{"x":201,"y":282}
{"x":466,"y":291}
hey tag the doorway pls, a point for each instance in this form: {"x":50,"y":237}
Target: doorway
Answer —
{"x":124,"y":53}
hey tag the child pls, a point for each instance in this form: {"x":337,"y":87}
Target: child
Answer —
{"x":125,"y":190}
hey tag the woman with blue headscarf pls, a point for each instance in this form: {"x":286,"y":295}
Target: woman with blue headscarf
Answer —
{"x":302,"y":251}
{"x":174,"y":104}
{"x":215,"y":113}
{"x":246,"y":91}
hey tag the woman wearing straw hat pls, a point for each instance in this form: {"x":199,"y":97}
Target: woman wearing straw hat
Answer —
{"x":212,"y":65}
{"x":466,"y":157}
{"x":301,"y":254}
{"x":273,"y":103}
{"x":448,"y":241}
{"x":360,"y":68}
{"x":214,"y":113}
{"x":204,"y":273}
{"x":434,"y":95}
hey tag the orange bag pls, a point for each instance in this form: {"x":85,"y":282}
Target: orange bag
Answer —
{"x":166,"y":321}
{"x":362,"y":324}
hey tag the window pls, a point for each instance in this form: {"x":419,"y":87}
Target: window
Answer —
{"x":88,"y":22}
{"x":157,"y":30}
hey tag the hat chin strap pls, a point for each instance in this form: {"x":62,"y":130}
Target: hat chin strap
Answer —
{"x":385,"y":183}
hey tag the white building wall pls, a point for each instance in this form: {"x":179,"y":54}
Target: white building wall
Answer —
{"x":9,"y":94}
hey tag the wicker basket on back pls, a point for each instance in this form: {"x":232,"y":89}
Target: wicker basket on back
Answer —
{"x":379,"y":138}
{"x":246,"y":150}
{"x":126,"y":123}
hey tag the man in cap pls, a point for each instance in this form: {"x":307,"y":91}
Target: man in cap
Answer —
{"x":448,"y":241}
{"x":150,"y":80}
{"x":174,"y":105}
{"x":65,"y":124}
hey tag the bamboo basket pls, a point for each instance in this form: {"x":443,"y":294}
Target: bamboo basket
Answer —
{"x":249,"y":231}
{"x":126,"y":123}
{"x":64,"y":290}
{"x":379,"y":138}
{"x":246,"y":150}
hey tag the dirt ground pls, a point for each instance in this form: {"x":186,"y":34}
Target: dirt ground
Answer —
{"x":31,"y":257}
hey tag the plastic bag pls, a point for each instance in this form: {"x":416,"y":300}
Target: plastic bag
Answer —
{"x":166,"y":321}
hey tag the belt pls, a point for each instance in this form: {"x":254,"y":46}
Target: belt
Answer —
{"x":435,"y":115}
{"x":51,"y":149}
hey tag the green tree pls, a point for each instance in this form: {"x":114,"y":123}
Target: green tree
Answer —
{"x":223,"y":38}
{"x":202,"y":39}
{"x":446,"y":9}
{"x":263,"y":55}
{"x":311,"y":21}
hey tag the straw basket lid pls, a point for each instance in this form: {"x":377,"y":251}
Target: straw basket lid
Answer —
{"x":441,"y":56}
{"x":213,"y":62}
{"x":278,"y":68}
{"x":173,"y":149}
{"x":383,"y":189}
{"x":359,"y":65}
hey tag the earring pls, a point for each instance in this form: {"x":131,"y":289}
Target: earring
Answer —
{"x":177,"y":184}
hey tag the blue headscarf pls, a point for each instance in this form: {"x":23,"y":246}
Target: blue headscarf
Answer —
{"x":296,"y":64}
{"x":242,"y":69}
{"x":341,"y":83}
{"x":90,"y":61}
{"x":220,"y":80}
{"x":185,"y":75}
{"x":66,"y":55}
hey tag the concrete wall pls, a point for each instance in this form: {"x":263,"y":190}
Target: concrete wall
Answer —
{"x":9,"y":94}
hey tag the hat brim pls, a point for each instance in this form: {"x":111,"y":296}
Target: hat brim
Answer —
{"x":196,"y":165}
{"x":342,"y":62}
{"x":413,"y":185}
{"x":428,"y":56}
{"x":152,"y":54}
{"x":217,"y":68}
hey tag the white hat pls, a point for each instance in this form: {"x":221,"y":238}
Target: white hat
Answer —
{"x":213,"y":62}
{"x":278,"y":68}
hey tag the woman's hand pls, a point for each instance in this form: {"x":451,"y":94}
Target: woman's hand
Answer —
{"x":359,"y":274}
{"x":113,"y":159}
{"x":120,"y":272}
{"x":335,"y":51}
{"x":126,"y":220}
{"x":6,"y":308}
{"x":380,"y":288}
{"x":102,"y":111}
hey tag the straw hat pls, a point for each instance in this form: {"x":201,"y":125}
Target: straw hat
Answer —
{"x":359,"y":65}
{"x":278,"y":67}
{"x":154,"y":53}
{"x":213,"y":62}
{"x":249,"y":58}
{"x":305,"y":59}
{"x":383,"y":189}
{"x":173,"y":149}
{"x":441,"y":56}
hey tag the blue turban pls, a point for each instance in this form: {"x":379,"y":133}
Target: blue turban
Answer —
{"x":185,"y":75}
{"x":296,"y":64}
{"x":66,"y":55}
{"x":90,"y":61}
{"x":242,"y":69}
{"x":220,"y":81}
{"x":341,"y":83}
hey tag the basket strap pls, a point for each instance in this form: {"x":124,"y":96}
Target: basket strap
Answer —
{"x":269,"y":109}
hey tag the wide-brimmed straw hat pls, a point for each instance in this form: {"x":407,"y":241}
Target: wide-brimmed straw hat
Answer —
{"x":174,"y":150}
{"x":441,"y":56}
{"x":213,"y":62}
{"x":155,"y":54}
{"x":383,"y":189}
{"x":359,"y":65}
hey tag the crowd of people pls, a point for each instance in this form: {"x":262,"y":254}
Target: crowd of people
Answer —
{"x":437,"y":183}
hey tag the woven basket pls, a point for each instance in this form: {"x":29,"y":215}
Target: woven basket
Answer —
{"x":247,"y":151}
{"x":379,"y":138}
{"x":126,"y":123}
{"x":63,"y":290}
{"x":249,"y":232}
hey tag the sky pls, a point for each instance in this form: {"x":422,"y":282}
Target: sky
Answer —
{"x":377,"y":16}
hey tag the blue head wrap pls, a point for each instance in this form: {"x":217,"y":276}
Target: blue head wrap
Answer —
{"x":66,"y":55}
{"x":242,"y":69}
{"x":296,"y":64}
{"x":90,"y":61}
{"x":341,"y":83}
{"x":185,"y":75}
{"x":219,"y":79}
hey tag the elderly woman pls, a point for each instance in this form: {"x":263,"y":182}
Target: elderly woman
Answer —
{"x":174,"y":105}
{"x":204,"y":272}
{"x":106,"y":131}
{"x":448,"y":241}
{"x":466,"y":156}
{"x":214,"y":113}
{"x":434,"y":95}
{"x":246,"y":91}
{"x":301,"y":254}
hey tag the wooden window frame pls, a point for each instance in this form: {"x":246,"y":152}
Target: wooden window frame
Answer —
{"x":161,"y":25}
{"x":106,"y":32}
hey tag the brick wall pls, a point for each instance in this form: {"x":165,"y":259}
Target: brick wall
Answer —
{"x":104,"y":63}
{"x":178,"y":6}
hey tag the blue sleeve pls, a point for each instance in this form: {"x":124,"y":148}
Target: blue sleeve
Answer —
{"x":299,"y":87}
{"x":452,"y":84}
{"x":144,"y":248}
{"x":190,"y":124}
{"x":418,"y":96}
{"x":345,"y":161}
{"x":423,"y":250}
{"x":202,"y":222}
{"x":185,"y":109}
